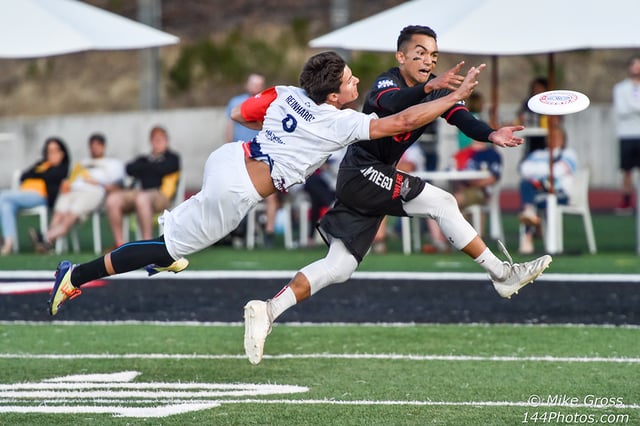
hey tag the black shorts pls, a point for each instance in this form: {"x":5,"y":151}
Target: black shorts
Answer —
{"x":364,"y":196}
{"x":629,"y":153}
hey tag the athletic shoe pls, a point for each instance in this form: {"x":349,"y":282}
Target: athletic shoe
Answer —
{"x":177,"y":266}
{"x":518,"y":274}
{"x":62,"y":290}
{"x":257,"y":326}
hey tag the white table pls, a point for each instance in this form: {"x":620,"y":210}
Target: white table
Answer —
{"x":438,"y":176}
{"x":532,"y":131}
{"x":452,"y":175}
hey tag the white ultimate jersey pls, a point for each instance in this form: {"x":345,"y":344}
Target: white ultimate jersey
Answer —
{"x":297,"y":134}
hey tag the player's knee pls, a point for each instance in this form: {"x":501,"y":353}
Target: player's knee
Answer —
{"x":342,"y":270}
{"x":449,"y":200}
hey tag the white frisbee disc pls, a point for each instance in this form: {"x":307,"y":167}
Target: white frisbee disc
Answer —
{"x":558,"y":102}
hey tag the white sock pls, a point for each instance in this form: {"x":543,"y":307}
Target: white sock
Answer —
{"x":490,"y":263}
{"x":281,"y":302}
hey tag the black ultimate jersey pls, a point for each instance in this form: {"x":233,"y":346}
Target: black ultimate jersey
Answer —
{"x":389,"y":95}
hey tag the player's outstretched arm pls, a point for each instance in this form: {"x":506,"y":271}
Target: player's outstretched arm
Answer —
{"x":424,"y":113}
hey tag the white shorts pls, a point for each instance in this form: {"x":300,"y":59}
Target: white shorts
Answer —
{"x":226,"y":197}
{"x":80,"y":202}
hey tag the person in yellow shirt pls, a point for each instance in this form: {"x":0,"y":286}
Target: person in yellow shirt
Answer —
{"x":39,"y":186}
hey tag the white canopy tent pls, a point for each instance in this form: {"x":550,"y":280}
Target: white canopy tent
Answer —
{"x":39,"y":28}
{"x":498,"y":27}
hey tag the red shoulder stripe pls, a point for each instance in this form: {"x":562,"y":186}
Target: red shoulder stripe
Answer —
{"x":255,"y":108}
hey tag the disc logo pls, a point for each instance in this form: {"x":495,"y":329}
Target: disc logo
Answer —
{"x":558,"y":98}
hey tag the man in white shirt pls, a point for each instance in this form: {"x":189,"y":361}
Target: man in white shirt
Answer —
{"x":626,"y":107}
{"x":535,"y":183}
{"x":83,"y":192}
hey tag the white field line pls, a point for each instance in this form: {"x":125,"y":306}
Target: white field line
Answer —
{"x":398,"y":276}
{"x":308,"y":324}
{"x":357,"y":357}
{"x":212,"y":403}
{"x":428,"y":403}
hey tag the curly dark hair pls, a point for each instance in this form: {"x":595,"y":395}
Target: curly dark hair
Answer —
{"x":322,"y":75}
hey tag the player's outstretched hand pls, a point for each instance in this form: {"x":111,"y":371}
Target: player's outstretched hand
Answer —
{"x":504,"y":136}
{"x":449,"y":80}
{"x":469,"y":83}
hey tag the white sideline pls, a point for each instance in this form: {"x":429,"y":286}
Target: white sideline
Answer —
{"x":358,"y":357}
{"x":71,"y":409}
{"x":310,"y":324}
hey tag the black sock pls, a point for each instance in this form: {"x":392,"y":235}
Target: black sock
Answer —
{"x":128,"y":257}
{"x":89,"y":271}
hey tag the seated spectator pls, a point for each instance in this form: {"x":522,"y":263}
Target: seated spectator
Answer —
{"x":477,"y":156}
{"x":82,"y":193}
{"x":39,"y":186}
{"x":535,"y":183}
{"x":156,"y":179}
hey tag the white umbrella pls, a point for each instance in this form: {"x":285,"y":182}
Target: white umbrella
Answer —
{"x":498,"y":27}
{"x":39,"y":28}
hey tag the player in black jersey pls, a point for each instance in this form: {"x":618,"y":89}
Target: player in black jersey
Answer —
{"x":369,"y":187}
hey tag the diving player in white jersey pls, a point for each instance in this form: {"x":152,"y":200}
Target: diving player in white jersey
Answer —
{"x":300,"y":128}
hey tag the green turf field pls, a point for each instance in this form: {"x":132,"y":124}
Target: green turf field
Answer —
{"x":327,"y":375}
{"x":177,"y":374}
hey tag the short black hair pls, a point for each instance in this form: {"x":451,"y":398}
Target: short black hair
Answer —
{"x":409,"y":31}
{"x":322,"y":75}
{"x":98,"y":137}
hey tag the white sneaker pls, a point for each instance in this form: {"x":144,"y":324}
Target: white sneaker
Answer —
{"x":518,"y":274}
{"x":257,"y":326}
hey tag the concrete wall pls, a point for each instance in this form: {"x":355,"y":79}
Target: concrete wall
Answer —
{"x":194,"y":133}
